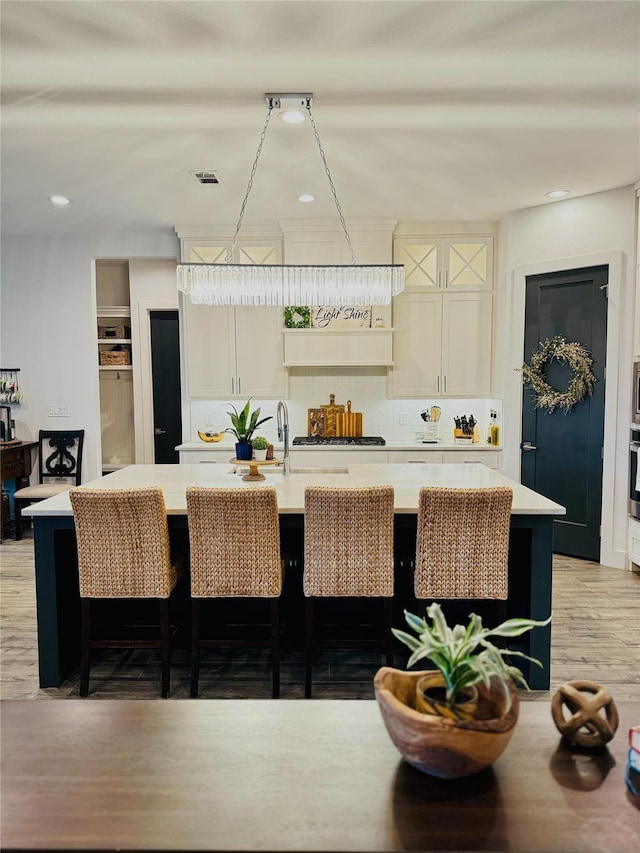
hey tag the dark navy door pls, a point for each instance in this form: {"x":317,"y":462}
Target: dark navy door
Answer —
{"x":165,"y":366}
{"x":562,"y":453}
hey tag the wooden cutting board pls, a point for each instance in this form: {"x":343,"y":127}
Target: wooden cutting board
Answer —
{"x":331,"y":413}
{"x":349,"y":423}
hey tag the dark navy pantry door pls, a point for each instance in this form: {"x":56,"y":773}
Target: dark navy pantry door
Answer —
{"x":165,"y":366}
{"x":564,"y":461}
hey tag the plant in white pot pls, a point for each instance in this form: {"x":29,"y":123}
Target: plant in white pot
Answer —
{"x":260,"y":446}
{"x":467,"y":723}
{"x":245,"y":422}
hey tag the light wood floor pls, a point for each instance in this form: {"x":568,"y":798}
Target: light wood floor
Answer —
{"x":595,"y":636}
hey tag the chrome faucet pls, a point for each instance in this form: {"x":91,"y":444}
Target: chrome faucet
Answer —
{"x":282,"y":416}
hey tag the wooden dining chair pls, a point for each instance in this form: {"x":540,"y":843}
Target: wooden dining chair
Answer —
{"x":124,"y":552}
{"x":59,"y":469}
{"x":234,"y":547}
{"x":348,"y":553}
{"x":462,"y":544}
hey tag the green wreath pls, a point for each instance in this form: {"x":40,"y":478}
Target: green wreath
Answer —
{"x":579,"y":360}
{"x":297,"y":317}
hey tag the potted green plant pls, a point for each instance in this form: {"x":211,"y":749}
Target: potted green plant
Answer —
{"x":245,"y":423}
{"x":457,"y":719}
{"x":260,"y":446}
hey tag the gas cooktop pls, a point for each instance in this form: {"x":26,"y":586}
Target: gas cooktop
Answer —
{"x":332,"y":439}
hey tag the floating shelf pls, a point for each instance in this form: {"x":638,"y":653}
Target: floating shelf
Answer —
{"x":115,"y":367}
{"x":113,"y":311}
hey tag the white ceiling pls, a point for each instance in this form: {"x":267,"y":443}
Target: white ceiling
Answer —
{"x":426,"y":110}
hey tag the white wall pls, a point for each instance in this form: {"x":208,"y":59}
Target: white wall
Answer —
{"x":48,"y":325}
{"x":579,"y":232}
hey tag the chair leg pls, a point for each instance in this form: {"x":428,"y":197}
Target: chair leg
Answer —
{"x":195,"y":646}
{"x":84,"y":647}
{"x":164,"y":647}
{"x":308,"y":648}
{"x":388,"y":617}
{"x":18,"y":511}
{"x":275,"y":648}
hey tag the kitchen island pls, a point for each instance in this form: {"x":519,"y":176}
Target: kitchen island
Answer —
{"x":530,"y":556}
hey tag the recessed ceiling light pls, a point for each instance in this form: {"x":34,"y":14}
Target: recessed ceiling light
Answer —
{"x":306,"y":198}
{"x":59,"y":199}
{"x":557,"y":193}
{"x":291,"y":116}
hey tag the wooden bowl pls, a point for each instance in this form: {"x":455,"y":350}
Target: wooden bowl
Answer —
{"x":439,"y":746}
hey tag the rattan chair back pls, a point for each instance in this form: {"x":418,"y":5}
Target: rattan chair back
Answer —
{"x":348,"y":541}
{"x":234,"y":541}
{"x":462,"y":546}
{"x":123,"y":543}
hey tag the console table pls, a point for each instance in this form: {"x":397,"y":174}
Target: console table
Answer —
{"x":16,"y":463}
{"x":245,"y":775}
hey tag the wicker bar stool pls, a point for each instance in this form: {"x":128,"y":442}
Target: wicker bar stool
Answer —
{"x":348,"y":553}
{"x":234,"y":540}
{"x":462,"y":544}
{"x":124,"y":552}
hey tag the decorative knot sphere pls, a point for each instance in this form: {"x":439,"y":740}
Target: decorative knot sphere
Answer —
{"x":593,"y":717}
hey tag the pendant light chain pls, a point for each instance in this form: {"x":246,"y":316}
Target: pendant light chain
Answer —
{"x":231,"y":249}
{"x":333,"y":189}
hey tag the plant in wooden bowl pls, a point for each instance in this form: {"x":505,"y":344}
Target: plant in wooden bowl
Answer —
{"x":457,"y":719}
{"x":260,"y":446}
{"x":245,"y":422}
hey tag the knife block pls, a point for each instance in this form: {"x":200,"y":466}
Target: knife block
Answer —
{"x":473,"y":438}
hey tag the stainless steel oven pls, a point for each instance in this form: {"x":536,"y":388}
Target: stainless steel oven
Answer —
{"x":635,"y":400}
{"x":634,"y":473}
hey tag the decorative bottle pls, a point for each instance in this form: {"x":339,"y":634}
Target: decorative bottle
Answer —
{"x":495,"y":430}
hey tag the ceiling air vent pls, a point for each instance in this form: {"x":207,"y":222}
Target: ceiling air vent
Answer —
{"x":207,"y":178}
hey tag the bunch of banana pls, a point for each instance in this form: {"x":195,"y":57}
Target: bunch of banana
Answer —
{"x":210,"y":436}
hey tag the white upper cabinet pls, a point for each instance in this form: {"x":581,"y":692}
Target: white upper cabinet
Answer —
{"x":446,"y":263}
{"x":466,"y":345}
{"x":232,"y":351}
{"x":417,"y":343}
{"x":443,"y":319}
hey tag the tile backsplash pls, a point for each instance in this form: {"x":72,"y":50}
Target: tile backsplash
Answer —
{"x":394,"y":420}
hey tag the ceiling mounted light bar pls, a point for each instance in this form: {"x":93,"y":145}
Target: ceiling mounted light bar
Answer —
{"x":262,"y":284}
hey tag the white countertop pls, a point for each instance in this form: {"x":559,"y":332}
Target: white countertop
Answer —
{"x":406,"y":480}
{"x":390,"y":445}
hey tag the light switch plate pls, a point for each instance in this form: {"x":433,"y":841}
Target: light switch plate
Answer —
{"x":58,"y":410}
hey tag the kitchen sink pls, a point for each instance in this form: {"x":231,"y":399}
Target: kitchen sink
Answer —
{"x":238,"y":469}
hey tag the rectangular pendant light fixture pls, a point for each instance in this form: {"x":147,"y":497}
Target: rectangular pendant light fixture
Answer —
{"x":262,"y":284}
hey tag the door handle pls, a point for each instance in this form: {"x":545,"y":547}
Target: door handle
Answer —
{"x":232,"y":385}
{"x":526,"y":445}
{"x":239,"y":387}
{"x":158,"y":431}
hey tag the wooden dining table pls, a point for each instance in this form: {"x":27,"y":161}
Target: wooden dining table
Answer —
{"x":278,"y":775}
{"x":530,"y":557}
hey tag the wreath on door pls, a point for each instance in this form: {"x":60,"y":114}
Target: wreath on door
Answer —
{"x":579,"y":360}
